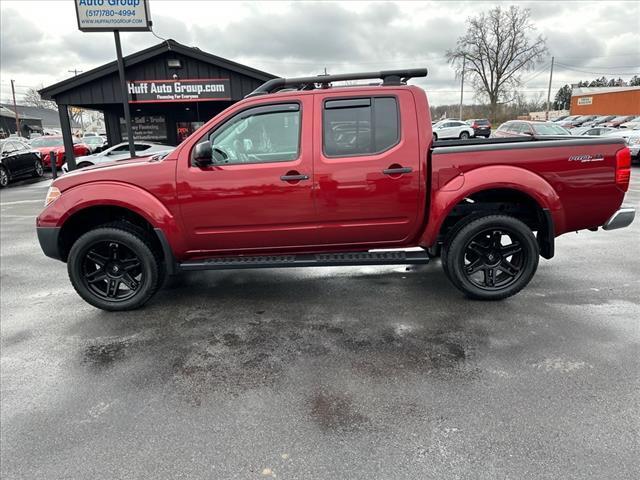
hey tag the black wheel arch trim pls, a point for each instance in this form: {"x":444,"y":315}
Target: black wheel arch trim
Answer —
{"x":49,"y":239}
{"x":170,"y":262}
{"x":546,"y":235}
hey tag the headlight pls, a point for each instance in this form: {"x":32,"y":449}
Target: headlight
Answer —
{"x":52,"y":195}
{"x":633,"y":140}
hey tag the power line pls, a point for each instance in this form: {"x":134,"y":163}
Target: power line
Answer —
{"x":537,"y":73}
{"x":602,"y":66}
{"x":604,"y":56}
{"x":567,"y":67}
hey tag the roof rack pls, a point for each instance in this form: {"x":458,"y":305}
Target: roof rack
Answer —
{"x":388,"y":77}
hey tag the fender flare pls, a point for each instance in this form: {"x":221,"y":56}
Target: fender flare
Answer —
{"x":116,"y":194}
{"x":444,"y":199}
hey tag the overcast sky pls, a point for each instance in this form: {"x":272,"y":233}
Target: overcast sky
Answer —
{"x":40,"y":41}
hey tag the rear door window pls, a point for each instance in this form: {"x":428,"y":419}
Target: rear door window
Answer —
{"x":360,"y":126}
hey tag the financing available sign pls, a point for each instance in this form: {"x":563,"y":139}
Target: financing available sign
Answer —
{"x":151,"y":127}
{"x":189,"y":90}
{"x":109,"y":15}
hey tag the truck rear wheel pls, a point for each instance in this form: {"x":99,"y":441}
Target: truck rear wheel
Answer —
{"x":114,"y":268}
{"x":491,"y":258}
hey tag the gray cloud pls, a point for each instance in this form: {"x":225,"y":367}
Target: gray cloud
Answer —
{"x":303,"y":38}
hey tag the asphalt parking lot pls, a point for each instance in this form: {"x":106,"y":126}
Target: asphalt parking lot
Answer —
{"x":377,"y":372}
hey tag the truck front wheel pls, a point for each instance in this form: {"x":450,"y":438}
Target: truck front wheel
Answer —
{"x":114,"y":268}
{"x":491,"y":257}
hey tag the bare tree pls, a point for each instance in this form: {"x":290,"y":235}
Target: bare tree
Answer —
{"x":33,"y":99}
{"x":496,"y":49}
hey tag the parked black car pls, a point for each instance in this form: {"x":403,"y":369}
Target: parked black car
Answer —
{"x":599,"y":120}
{"x":17,"y":159}
{"x":481,"y":127}
{"x":577,"y":122}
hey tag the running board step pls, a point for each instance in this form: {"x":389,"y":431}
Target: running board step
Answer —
{"x":308,"y":260}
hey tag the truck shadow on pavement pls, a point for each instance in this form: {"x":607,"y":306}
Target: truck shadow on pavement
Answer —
{"x":218,"y":332}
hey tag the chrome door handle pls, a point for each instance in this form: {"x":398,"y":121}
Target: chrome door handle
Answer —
{"x":294,"y":178}
{"x":397,"y":171}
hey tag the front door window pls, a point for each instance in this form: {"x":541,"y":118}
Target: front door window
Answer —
{"x":260,"y":137}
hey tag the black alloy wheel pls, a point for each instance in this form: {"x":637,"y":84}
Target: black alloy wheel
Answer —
{"x":491,"y":257}
{"x":112,"y":271}
{"x":4,"y":177}
{"x":38,"y":169}
{"x":115,"y":267}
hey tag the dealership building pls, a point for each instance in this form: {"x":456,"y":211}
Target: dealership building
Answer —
{"x":172,"y":88}
{"x":605,"y":101}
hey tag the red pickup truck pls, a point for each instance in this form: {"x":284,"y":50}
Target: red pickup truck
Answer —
{"x":302,"y":173}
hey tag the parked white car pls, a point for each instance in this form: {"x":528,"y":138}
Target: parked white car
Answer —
{"x":119,"y":152}
{"x":633,"y":123}
{"x":632,"y":138}
{"x":452,"y":129}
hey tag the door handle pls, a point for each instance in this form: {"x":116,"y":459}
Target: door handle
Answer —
{"x":397,"y":171}
{"x":294,"y":178}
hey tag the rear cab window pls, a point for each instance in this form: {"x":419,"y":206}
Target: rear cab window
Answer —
{"x":360,"y":126}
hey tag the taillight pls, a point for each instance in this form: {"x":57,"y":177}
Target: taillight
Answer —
{"x":623,"y":168}
{"x":474,"y":125}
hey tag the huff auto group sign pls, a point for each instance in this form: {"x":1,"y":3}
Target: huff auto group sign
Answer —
{"x":196,"y":90}
{"x":108,"y":15}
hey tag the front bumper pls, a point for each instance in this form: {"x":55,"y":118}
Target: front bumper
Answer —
{"x":622,"y":218}
{"x":49,"y":238}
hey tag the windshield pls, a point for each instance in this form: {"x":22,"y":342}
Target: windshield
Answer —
{"x":549,"y":129}
{"x":47,"y":142}
{"x":620,"y":118}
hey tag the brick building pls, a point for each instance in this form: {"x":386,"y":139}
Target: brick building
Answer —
{"x":605,"y":101}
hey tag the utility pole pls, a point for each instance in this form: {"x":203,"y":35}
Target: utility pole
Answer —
{"x":15,"y":109}
{"x":549,"y":91}
{"x":464,"y":62}
{"x":75,"y":72}
{"x":125,"y":94}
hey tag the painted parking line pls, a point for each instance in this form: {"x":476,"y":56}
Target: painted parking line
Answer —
{"x":20,"y":202}
{"x":41,"y":184}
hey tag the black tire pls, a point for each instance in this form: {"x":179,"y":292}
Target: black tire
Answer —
{"x":449,"y":237}
{"x":464,"y":135}
{"x":435,"y":137}
{"x":104,"y":260}
{"x":38,"y":169}
{"x":479,"y":264}
{"x":4,"y":177}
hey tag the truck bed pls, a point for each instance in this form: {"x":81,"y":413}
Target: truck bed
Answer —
{"x":523,"y":142}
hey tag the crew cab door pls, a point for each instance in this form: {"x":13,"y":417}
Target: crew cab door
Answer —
{"x":257,"y":194}
{"x":367,"y":168}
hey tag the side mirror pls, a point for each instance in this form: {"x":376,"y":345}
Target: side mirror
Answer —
{"x":203,"y":154}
